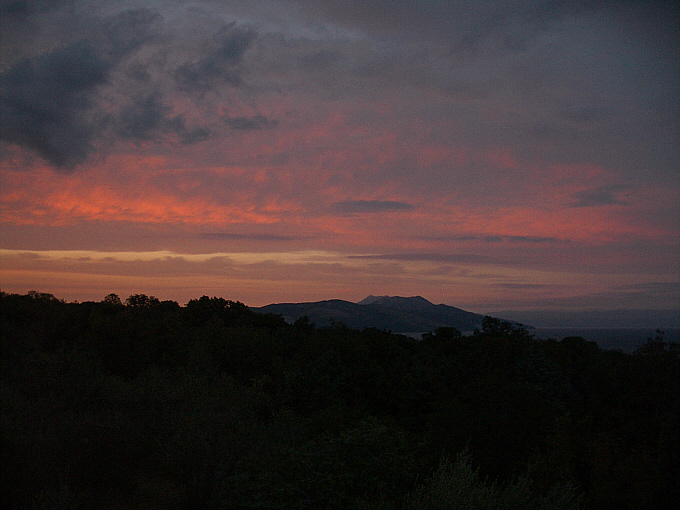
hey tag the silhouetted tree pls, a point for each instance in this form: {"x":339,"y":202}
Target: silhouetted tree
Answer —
{"x":141,"y":301}
{"x":112,"y":299}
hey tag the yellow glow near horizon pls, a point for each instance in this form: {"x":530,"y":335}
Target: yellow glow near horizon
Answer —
{"x":297,"y":257}
{"x":259,"y":278}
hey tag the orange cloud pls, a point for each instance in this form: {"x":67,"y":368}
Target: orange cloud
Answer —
{"x":43,"y":197}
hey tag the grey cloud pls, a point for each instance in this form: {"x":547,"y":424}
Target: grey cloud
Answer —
{"x":585,"y":114}
{"x":600,"y":196}
{"x":371,"y":206}
{"x":45,"y":99}
{"x":496,"y":33}
{"x":146,"y":117}
{"x":531,"y":239}
{"x":512,"y":26}
{"x":438,"y":18}
{"x":672,"y":287}
{"x":488,"y":239}
{"x":139,"y":72}
{"x":142,"y":117}
{"x":15,"y":14}
{"x":249,"y":123}
{"x":425,"y":257}
{"x":196,"y":135}
{"x":669,"y":291}
{"x":21,"y":8}
{"x":221,"y":64}
{"x":495,"y":239}
{"x":505,"y":26}
{"x":43,"y":102}
{"x":15,"y":8}
{"x":319,"y":60}
{"x":127,"y":31}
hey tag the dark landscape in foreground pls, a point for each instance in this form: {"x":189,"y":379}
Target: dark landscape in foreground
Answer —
{"x":149,"y":404}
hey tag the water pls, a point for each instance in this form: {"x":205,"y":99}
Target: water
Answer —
{"x":624,"y":339}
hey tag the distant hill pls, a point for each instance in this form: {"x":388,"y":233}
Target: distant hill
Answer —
{"x":393,"y":313}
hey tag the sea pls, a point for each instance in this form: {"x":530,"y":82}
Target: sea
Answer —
{"x":624,"y":339}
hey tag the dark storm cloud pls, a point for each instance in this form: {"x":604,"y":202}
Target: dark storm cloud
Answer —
{"x":221,"y":64}
{"x":50,"y":102}
{"x":142,"y":117}
{"x":44,"y":100}
{"x":370,"y":206}
{"x":607,"y":195}
{"x":147,"y":117}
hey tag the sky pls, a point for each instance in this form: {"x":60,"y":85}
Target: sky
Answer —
{"x":509,"y":155}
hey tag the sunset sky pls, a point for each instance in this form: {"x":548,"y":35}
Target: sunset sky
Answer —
{"x":487,"y":155}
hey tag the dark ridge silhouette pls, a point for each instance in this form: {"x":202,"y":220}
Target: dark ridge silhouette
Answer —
{"x":392,"y":313}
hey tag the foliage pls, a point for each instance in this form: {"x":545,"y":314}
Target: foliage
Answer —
{"x":149,"y":404}
{"x":458,"y":486}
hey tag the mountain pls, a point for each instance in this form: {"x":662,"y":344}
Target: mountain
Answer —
{"x":400,"y":303}
{"x":394,"y":313}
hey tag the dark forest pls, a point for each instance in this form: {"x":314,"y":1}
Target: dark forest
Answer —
{"x":147,"y":404}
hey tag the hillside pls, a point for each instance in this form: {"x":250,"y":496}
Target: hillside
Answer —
{"x":393,"y":313}
{"x":148,"y":404}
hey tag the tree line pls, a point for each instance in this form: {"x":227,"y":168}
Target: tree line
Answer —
{"x":149,"y":404}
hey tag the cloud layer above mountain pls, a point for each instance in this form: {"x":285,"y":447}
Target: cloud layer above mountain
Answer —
{"x":476,"y":154}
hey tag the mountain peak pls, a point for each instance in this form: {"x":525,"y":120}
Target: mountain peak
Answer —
{"x":370,"y":299}
{"x":413,"y":302}
{"x":394,"y":313}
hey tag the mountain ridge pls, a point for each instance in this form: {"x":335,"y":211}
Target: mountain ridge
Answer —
{"x":394,"y":313}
